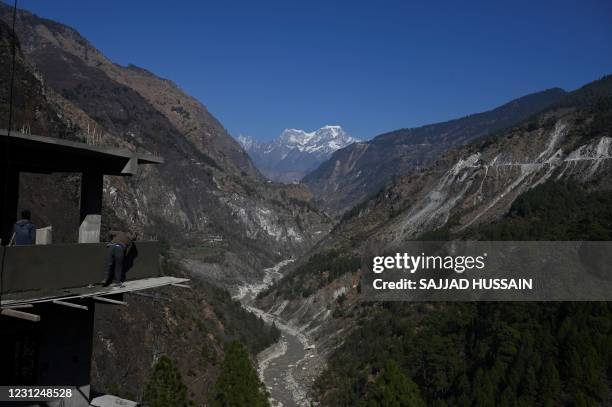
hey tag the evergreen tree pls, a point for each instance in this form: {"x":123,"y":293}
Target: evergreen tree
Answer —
{"x":165,"y":387}
{"x":238,"y":384}
{"x":394,"y":389}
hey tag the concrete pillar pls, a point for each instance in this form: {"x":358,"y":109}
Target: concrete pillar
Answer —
{"x":9,"y":198}
{"x":91,"y":207}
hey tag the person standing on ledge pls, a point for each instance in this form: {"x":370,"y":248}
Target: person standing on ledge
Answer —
{"x":119,"y":246}
{"x":24,"y":231}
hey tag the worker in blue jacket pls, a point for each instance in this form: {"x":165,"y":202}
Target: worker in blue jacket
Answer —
{"x":24,"y":231}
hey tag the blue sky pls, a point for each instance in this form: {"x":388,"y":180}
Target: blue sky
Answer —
{"x":370,"y":66}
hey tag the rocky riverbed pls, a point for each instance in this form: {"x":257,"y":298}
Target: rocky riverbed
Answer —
{"x":289,"y":367}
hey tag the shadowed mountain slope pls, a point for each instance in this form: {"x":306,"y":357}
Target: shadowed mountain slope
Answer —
{"x":362,"y":169}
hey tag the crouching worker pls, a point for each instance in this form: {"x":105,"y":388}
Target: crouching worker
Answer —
{"x":118,"y":248}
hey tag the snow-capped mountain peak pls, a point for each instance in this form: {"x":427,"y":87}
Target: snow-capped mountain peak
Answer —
{"x":296,"y":151}
{"x":293,"y":137}
{"x":326,"y":140}
{"x":246,"y":142}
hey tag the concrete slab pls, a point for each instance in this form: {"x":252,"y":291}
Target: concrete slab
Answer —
{"x":12,"y":300}
{"x":112,"y":401}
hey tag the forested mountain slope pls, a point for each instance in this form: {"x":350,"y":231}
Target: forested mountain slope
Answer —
{"x":547,"y":178}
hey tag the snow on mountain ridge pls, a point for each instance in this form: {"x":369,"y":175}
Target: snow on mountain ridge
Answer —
{"x":296,"y":151}
{"x":246,"y":142}
{"x":327,"y":139}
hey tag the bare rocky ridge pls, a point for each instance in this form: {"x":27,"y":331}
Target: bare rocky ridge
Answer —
{"x":207,"y":193}
{"x":207,"y":200}
{"x":41,"y":40}
{"x":360,"y":170}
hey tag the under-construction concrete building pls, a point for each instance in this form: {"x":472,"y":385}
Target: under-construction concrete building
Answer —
{"x":49,"y":291}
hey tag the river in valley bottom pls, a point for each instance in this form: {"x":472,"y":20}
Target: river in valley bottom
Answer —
{"x":288,"y":367}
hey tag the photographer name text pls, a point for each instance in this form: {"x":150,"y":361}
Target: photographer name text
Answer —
{"x":412,"y":264}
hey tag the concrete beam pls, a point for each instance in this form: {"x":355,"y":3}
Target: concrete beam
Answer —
{"x":20,"y":314}
{"x":70,"y":304}
{"x":9,"y":184}
{"x":18,"y":306}
{"x":131,"y":167}
{"x":110,"y":301}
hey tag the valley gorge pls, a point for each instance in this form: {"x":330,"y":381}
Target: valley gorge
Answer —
{"x":470,"y":192}
{"x":221,"y":221}
{"x":275,"y":238}
{"x":295,"y":153}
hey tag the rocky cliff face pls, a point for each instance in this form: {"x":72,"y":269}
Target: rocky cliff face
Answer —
{"x":295,"y":152}
{"x":467,"y":187}
{"x":206,"y":194}
{"x":207,"y":200}
{"x":362,"y":169}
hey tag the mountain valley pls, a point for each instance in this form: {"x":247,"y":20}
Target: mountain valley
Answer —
{"x":295,"y":153}
{"x":469,"y":192}
{"x":276,"y":237}
{"x":220,"y":219}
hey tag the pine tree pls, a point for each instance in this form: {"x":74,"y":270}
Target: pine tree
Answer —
{"x":165,"y":387}
{"x":238,"y":384}
{"x":394,"y":389}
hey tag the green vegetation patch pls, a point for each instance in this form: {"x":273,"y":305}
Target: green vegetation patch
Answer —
{"x":320,"y":270}
{"x":166,"y":387}
{"x":485,"y":354}
{"x":475,"y":354}
{"x":238,"y":383}
{"x":554,"y":211}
